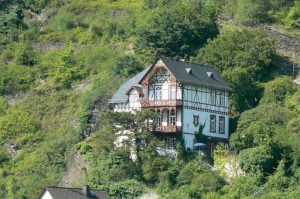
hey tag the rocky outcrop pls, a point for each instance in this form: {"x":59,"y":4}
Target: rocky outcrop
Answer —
{"x":75,"y":174}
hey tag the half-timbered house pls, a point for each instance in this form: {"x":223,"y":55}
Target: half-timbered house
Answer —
{"x":188,"y":97}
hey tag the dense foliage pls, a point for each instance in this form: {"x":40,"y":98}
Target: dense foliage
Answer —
{"x":61,"y":60}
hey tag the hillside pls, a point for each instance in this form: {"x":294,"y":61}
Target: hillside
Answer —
{"x":61,"y":61}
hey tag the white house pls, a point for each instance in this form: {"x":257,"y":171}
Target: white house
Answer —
{"x":188,"y":97}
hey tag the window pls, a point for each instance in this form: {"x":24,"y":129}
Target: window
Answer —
{"x":213,"y":97}
{"x":196,"y":120}
{"x":158,"y":92}
{"x":212,"y":123}
{"x":171,"y":143}
{"x":172,"y":118}
{"x":172,"y":92}
{"x":222,"y":99}
{"x":222,"y":124}
{"x":158,"y":120}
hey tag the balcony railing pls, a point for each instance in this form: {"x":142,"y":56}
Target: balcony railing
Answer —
{"x":157,"y":103}
{"x":169,"y":129}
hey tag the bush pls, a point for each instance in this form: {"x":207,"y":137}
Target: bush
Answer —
{"x":258,"y":160}
{"x":25,"y":55}
{"x":4,"y":157}
{"x":68,"y":69}
{"x":252,"y":11}
{"x":129,"y":189}
{"x":293,"y":18}
{"x":178,"y":30}
{"x":3,"y":105}
{"x":127,"y":66}
{"x":244,"y":58}
{"x":277,"y":90}
{"x":257,"y":126}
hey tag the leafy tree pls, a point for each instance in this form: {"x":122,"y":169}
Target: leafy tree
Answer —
{"x":258,"y":160}
{"x":127,"y":189}
{"x":242,"y":187}
{"x":179,"y":30}
{"x":244,"y":58}
{"x":279,"y":181}
{"x":292,"y":20}
{"x":258,"y":126}
{"x":67,"y":70}
{"x":127,"y":66}
{"x":252,"y":11}
{"x":25,"y":55}
{"x":17,"y":123}
{"x":278,"y":90}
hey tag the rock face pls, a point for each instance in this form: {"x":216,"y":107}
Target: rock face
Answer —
{"x":75,"y":174}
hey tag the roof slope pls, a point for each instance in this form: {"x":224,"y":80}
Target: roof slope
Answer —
{"x":120,"y":96}
{"x":197,"y":76}
{"x":74,"y":193}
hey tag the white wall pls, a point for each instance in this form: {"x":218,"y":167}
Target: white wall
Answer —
{"x":134,"y":99}
{"x":46,"y":195}
{"x":204,"y":119}
{"x":197,"y":101}
{"x":132,"y":105}
{"x":179,"y":113}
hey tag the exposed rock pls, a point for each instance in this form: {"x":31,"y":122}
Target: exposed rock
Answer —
{"x":12,"y":149}
{"x":75,"y":175}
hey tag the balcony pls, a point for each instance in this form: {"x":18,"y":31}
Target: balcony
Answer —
{"x":169,"y":129}
{"x":158,"y":103}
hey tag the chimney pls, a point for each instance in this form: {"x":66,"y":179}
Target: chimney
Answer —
{"x":86,"y":190}
{"x":85,"y":187}
{"x":188,"y":70}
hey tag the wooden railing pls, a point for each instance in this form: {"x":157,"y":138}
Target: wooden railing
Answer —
{"x":169,"y":129}
{"x":157,"y":103}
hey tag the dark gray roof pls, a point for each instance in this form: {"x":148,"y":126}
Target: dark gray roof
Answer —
{"x":198,"y":74}
{"x":74,"y":193}
{"x":120,"y":96}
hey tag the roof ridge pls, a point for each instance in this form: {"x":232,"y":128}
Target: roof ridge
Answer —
{"x":191,"y":63}
{"x":53,"y":187}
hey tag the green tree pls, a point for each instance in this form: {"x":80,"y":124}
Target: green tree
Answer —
{"x":252,"y":11}
{"x":244,"y":58}
{"x":258,"y":160}
{"x":68,"y":69}
{"x":279,"y":181}
{"x":258,"y":126}
{"x":278,"y":90}
{"x":25,"y":55}
{"x":127,"y":66}
{"x":178,"y":30}
{"x":127,"y":189}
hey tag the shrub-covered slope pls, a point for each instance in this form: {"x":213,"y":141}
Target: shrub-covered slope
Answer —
{"x":59,"y":58}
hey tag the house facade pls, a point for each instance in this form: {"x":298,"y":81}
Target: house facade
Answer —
{"x":189,"y":98}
